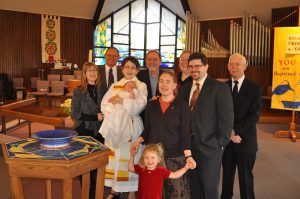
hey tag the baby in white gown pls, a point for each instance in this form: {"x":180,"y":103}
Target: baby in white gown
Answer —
{"x":118,"y":125}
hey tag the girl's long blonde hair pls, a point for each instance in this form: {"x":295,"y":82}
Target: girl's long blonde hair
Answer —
{"x":154,"y":148}
{"x":84,"y":82}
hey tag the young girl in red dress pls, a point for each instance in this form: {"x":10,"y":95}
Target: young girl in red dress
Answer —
{"x":152,"y":172}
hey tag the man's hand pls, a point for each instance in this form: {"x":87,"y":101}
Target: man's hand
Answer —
{"x":100,"y":116}
{"x":235,"y":138}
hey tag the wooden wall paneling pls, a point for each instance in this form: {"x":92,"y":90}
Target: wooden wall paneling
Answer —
{"x":20,"y":52}
{"x":76,"y":40}
{"x":285,"y":17}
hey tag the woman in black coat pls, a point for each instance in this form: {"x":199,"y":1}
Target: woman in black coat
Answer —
{"x":86,"y":111}
{"x":167,"y":122}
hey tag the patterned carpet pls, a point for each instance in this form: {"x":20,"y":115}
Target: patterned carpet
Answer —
{"x":277,"y":174}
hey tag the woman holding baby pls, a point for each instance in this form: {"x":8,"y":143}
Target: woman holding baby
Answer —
{"x":122,"y":124}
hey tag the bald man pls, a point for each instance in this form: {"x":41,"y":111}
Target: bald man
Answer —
{"x":240,"y":153}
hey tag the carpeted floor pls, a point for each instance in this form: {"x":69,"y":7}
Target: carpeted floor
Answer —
{"x":277,"y":173}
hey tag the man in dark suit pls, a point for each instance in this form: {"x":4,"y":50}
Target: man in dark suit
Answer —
{"x":110,"y":72}
{"x":151,"y":74}
{"x":241,"y":151}
{"x":211,"y":124}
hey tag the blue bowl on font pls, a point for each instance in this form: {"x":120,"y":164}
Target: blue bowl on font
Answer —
{"x":55,"y":139}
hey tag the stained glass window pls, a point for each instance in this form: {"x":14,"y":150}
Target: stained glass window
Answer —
{"x":168,"y":23}
{"x":139,"y":54}
{"x":99,"y":52}
{"x":137,"y":35}
{"x":153,"y":36}
{"x":102,"y":34}
{"x":137,"y":30}
{"x":167,"y":53}
{"x":153,"y":11}
{"x":123,"y":50}
{"x":181,"y":33}
{"x":138,"y":11}
{"x":121,"y":21}
{"x":121,"y":39}
{"x":168,"y":40}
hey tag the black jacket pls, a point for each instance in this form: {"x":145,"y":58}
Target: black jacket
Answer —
{"x":170,"y":128}
{"x":247,"y":107}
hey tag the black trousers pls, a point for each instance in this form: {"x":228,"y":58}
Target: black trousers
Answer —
{"x":93,"y":174}
{"x":233,"y":159}
{"x":204,"y":179}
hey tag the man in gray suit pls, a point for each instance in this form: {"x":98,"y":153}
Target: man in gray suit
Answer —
{"x":211,"y":124}
{"x":110,"y":72}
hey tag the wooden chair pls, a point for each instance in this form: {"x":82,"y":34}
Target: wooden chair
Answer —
{"x":33,"y":83}
{"x":57,"y":91}
{"x":66,"y":78}
{"x":2,"y":94}
{"x":72,"y":84}
{"x":78,"y":77}
{"x":18,"y":85}
{"x":77,"y":72}
{"x":42,"y":90}
{"x":52,"y":77}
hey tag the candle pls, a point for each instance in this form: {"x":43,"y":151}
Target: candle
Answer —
{"x":90,"y":55}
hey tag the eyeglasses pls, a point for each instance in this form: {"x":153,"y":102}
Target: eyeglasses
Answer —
{"x":91,"y":70}
{"x":110,"y":55}
{"x":195,"y":66}
{"x":129,"y":67}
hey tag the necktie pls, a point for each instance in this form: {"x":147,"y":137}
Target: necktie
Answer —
{"x":110,"y":78}
{"x":235,"y":89}
{"x":195,"y":96}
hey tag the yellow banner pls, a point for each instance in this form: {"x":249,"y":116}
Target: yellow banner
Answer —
{"x":286,"y":69}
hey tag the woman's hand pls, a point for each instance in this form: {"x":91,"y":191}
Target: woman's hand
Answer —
{"x":154,"y":98}
{"x":100,"y":117}
{"x":131,"y":94}
{"x":116,"y":100}
{"x":136,"y":144}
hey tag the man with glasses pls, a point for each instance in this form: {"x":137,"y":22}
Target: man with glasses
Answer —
{"x":151,"y":74}
{"x":211,"y":123}
{"x":110,"y":73}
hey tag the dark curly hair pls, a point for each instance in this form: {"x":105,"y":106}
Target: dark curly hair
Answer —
{"x":133,"y":60}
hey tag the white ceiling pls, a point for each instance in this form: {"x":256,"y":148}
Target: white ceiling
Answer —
{"x":202,"y":9}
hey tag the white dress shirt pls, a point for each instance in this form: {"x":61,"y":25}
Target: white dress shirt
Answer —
{"x":239,"y":84}
{"x":201,"y":82}
{"x":114,"y":73}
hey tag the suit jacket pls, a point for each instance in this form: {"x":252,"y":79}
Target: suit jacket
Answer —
{"x":247,"y":107}
{"x":144,"y":77}
{"x":103,"y":77}
{"x":83,"y":103}
{"x":212,"y":118}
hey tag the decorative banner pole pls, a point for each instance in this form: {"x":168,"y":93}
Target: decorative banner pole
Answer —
{"x":90,"y":55}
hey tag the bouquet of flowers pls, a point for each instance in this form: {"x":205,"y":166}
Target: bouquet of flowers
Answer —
{"x":66,"y":106}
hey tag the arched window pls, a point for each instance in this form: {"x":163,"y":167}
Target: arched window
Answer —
{"x":138,"y":27}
